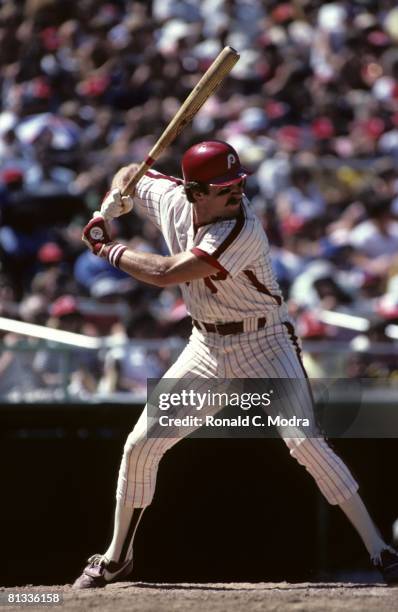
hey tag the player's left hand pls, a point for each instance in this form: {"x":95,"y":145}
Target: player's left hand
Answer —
{"x":95,"y":234}
{"x":114,"y":204}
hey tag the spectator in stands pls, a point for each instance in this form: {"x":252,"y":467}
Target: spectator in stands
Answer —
{"x":74,"y":369}
{"x":311,"y":106}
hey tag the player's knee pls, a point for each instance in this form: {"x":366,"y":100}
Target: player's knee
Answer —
{"x":133,"y":441}
{"x":331,"y":474}
{"x":140,"y":448}
{"x":314,"y":453}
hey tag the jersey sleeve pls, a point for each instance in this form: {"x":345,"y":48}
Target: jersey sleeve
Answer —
{"x":232,"y":246}
{"x":152,"y":195}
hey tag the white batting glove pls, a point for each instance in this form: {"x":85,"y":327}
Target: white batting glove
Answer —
{"x":114,"y":204}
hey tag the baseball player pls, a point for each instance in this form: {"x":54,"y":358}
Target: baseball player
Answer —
{"x":219,"y":256}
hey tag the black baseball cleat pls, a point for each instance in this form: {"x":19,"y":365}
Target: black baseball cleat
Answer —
{"x":387,"y":564}
{"x":99,"y":572}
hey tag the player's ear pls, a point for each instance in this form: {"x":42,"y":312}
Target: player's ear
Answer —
{"x":195,"y":191}
{"x":200,"y":193}
{"x":198,"y":196}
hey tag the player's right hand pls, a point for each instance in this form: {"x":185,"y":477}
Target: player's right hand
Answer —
{"x":95,"y":234}
{"x":114,"y":204}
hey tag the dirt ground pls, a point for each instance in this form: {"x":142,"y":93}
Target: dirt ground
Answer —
{"x":228,"y":597}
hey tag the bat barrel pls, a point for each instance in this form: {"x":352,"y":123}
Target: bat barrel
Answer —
{"x":207,"y":85}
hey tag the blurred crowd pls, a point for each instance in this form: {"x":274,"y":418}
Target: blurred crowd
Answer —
{"x":311,"y":107}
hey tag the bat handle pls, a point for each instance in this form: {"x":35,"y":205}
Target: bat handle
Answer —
{"x":128,"y":188}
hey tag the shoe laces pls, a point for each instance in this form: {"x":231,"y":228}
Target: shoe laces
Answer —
{"x":97,"y":560}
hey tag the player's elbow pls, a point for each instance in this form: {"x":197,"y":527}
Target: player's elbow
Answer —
{"x":165,"y":273}
{"x":165,"y":280}
{"x":160,"y":281}
{"x":169,"y":273}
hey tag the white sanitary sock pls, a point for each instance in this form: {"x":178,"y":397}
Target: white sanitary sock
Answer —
{"x":125,"y":526}
{"x":356,"y":512}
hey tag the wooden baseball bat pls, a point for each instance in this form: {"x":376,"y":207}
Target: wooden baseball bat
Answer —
{"x":208,"y":84}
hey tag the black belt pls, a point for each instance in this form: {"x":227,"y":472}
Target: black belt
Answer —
{"x":224,"y":329}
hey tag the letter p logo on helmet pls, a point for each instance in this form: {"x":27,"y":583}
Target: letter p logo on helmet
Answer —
{"x":213,"y":162}
{"x":231,"y":160}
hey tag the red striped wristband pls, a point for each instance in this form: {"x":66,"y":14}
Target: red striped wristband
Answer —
{"x":114,"y":253}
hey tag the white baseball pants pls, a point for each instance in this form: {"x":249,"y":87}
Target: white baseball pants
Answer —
{"x":272,"y":352}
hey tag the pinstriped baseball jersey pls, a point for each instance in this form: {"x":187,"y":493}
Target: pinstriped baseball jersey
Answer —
{"x":243,"y":284}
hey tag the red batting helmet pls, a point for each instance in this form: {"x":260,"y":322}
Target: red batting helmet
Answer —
{"x":213,"y":162}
